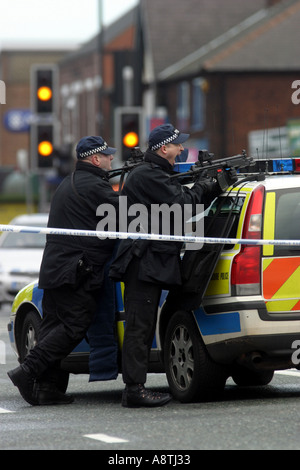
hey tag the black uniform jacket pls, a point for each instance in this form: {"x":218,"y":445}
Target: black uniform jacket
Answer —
{"x":149,"y":184}
{"x":74,"y":206}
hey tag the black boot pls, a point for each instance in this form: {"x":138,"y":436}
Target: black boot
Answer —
{"x":25,"y":382}
{"x":48,"y":394}
{"x":136,"y":395}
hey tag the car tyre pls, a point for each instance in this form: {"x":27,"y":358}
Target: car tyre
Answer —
{"x":244,"y":377}
{"x":29,"y":338}
{"x":29,"y":333}
{"x":191,"y":373}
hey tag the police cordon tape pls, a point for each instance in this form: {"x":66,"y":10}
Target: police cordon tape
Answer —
{"x":145,"y":236}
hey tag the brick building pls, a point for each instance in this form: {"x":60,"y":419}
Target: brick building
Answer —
{"x":221,"y":69}
{"x":235,"y":73}
{"x":91,"y":83}
{"x":218,"y":76}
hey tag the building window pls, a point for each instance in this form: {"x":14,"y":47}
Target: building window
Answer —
{"x":199,"y":86}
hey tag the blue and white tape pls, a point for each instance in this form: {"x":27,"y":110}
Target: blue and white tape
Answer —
{"x":145,"y":236}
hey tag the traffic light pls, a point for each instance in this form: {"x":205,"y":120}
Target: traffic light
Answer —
{"x":43,"y":86}
{"x":44,"y":89}
{"x":42,"y":144}
{"x":128,"y":130}
{"x":45,"y":145}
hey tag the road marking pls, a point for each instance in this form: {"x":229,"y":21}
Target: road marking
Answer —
{"x":3,"y":410}
{"x":105,"y":438}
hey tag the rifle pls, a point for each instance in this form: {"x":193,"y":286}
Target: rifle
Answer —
{"x":209,"y":167}
{"x":136,"y":158}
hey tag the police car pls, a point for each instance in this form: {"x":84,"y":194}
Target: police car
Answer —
{"x":248,"y":322}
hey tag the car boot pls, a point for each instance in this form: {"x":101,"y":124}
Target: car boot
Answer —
{"x":22,"y":379}
{"x":135,"y":396}
{"x":47,"y":393}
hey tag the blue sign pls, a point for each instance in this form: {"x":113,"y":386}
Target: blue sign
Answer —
{"x":17,"y":120}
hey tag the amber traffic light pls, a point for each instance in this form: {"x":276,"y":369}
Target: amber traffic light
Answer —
{"x":44,"y":93}
{"x":43,"y":89}
{"x":43,"y":129}
{"x":130,"y":129}
{"x":131,"y":139}
{"x":45,"y":148}
{"x":45,"y":145}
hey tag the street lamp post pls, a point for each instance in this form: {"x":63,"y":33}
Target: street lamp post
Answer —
{"x":100,"y":54}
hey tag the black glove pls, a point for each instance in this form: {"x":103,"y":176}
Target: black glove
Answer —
{"x":227,"y":178}
{"x":203,"y":176}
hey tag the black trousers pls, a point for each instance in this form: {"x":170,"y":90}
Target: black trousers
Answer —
{"x":141,"y":300}
{"x":67,"y":315}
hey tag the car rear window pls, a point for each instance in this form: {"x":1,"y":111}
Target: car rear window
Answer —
{"x":222,"y":217}
{"x":287,"y":220}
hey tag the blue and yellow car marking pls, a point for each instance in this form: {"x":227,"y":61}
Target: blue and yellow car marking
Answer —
{"x":217,"y":324}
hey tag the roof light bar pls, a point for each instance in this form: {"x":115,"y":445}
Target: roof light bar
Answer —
{"x":277,"y":165}
{"x":262,"y":165}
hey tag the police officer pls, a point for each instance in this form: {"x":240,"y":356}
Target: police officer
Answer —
{"x":72,"y":273}
{"x":147,"y":266}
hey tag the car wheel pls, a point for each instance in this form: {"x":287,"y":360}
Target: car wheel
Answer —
{"x":29,"y":333}
{"x":29,"y":338}
{"x":191,"y":374}
{"x":244,"y":377}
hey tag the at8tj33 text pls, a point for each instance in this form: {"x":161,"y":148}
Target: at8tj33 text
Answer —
{"x":171,"y":459}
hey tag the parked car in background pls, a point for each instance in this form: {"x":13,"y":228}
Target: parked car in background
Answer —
{"x":20,"y":255}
